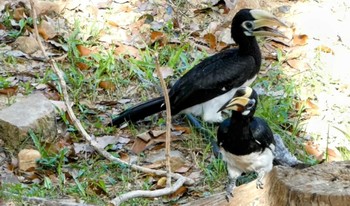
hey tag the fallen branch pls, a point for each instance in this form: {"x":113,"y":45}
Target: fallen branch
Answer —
{"x":143,"y":193}
{"x":82,"y":131}
{"x":168,"y":121}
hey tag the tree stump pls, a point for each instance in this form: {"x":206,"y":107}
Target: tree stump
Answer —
{"x":324,"y":184}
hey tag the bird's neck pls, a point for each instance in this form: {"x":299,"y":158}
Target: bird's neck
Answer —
{"x":250,"y":46}
{"x":240,"y":125}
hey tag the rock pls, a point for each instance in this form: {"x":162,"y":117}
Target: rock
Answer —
{"x":27,"y":159}
{"x":34,"y":113}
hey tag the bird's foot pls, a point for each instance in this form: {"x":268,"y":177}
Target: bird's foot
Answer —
{"x":229,"y":188}
{"x":259,"y":184}
{"x":228,"y":196}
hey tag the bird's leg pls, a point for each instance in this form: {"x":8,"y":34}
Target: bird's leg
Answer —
{"x":230,"y":187}
{"x":259,"y":183}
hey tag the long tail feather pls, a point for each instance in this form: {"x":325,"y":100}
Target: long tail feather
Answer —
{"x":139,"y":112}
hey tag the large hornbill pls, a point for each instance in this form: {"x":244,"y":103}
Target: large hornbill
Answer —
{"x":246,"y":142}
{"x":211,"y":83}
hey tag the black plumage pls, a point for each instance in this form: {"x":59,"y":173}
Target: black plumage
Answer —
{"x":246,"y":142}
{"x":209,"y":84}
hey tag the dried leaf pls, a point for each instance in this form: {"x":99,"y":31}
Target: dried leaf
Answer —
{"x":139,"y":146}
{"x":83,"y":51}
{"x":145,"y":136}
{"x":104,"y":141}
{"x":325,"y":49}
{"x":18,"y":13}
{"x":178,"y":193}
{"x":46,"y":30}
{"x":186,"y":130}
{"x":157,"y":133}
{"x":82,"y":66}
{"x":9,"y":91}
{"x":107,"y":85}
{"x":210,"y":39}
{"x":182,"y":169}
{"x":334,"y":155}
{"x":161,"y":183}
{"x":82,"y":147}
{"x":165,"y":71}
{"x":127,"y":50}
{"x":300,"y":40}
{"x":313,"y":150}
{"x":156,"y":36}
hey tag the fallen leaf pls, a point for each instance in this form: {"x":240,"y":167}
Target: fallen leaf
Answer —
{"x":334,"y":155}
{"x":156,"y":36}
{"x":325,"y":49}
{"x":145,"y":136}
{"x":210,"y":39}
{"x":46,"y":30}
{"x":314,"y":150}
{"x":178,"y":193}
{"x":107,"y":85}
{"x":18,"y":13}
{"x":221,"y":46}
{"x":104,"y":141}
{"x":127,"y":50}
{"x":165,"y":71}
{"x":2,"y":27}
{"x":300,"y":40}
{"x":157,"y":133}
{"x":82,"y":66}
{"x":83,"y":51}
{"x":182,"y":169}
{"x":186,"y":130}
{"x":82,"y":147}
{"x":161,"y":183}
{"x":27,"y":44}
{"x":9,"y":91}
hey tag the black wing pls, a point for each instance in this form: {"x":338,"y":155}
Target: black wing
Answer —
{"x":206,"y":80}
{"x":261,"y":132}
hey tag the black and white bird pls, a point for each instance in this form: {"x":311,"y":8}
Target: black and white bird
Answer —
{"x":211,"y":83}
{"x":246,"y":142}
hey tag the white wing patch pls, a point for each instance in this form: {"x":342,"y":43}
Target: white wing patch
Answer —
{"x":209,"y":109}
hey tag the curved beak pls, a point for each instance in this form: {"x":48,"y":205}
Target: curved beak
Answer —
{"x":236,"y":104}
{"x":266,"y":22}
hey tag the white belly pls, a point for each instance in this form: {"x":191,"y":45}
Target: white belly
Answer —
{"x":209,"y":109}
{"x":247,"y":163}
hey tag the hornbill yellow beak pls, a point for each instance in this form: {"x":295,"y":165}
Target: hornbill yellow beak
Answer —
{"x":240,"y":101}
{"x":263,"y":24}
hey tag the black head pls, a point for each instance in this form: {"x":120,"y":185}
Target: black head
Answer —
{"x":244,"y":101}
{"x":254,"y":22}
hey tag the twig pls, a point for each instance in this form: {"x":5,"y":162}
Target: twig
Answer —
{"x":168,"y":121}
{"x":181,"y":179}
{"x":143,"y":193}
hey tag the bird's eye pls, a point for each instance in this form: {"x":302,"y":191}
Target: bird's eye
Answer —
{"x":248,"y":25}
{"x":250,"y":104}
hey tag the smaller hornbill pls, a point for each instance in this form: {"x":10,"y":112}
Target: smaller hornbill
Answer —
{"x":212,"y":82}
{"x":246,"y":142}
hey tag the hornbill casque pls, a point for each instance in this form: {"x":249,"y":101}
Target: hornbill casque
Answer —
{"x":212,"y":82}
{"x":246,"y":142}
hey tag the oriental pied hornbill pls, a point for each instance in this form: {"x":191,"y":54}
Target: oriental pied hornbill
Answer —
{"x":246,"y":142}
{"x":212,"y":82}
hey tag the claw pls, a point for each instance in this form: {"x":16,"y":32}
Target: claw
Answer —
{"x":259,"y":184}
{"x":229,"y":188}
